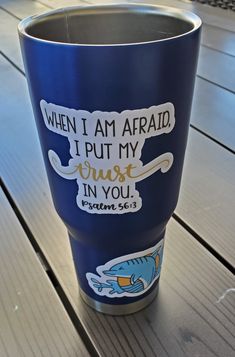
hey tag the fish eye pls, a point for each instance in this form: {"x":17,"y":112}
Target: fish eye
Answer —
{"x":120,"y":268}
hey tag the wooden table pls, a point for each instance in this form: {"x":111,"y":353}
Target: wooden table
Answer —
{"x":41,"y":313}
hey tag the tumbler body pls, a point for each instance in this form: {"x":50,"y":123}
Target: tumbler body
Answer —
{"x":104,"y":107}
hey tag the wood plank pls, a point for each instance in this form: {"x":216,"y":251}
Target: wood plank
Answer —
{"x":33,"y":320}
{"x":23,"y":8}
{"x":207,"y":200}
{"x":215,"y":17}
{"x":213,"y":112}
{"x":218,"y":39}
{"x":9,"y":41}
{"x":217,"y":67}
{"x":212,"y":16}
{"x":209,"y":15}
{"x":61,"y":3}
{"x":184,"y":320}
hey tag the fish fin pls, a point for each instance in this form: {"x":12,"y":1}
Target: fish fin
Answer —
{"x":134,"y":278}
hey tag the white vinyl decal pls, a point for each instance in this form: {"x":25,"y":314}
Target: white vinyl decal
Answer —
{"x":105,"y":149}
{"x":130,"y":275}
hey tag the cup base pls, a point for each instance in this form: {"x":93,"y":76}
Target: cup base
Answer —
{"x":124,"y":309}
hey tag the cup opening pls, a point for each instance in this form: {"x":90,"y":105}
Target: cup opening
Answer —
{"x":110,"y":25}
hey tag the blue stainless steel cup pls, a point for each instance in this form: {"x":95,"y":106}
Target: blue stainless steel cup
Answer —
{"x":111,"y":88}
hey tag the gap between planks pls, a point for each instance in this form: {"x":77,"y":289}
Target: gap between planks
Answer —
{"x":203,"y":242}
{"x":216,"y":84}
{"x":216,"y":49}
{"x":10,"y":13}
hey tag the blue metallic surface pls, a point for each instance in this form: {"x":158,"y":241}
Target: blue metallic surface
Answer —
{"x":114,"y":78}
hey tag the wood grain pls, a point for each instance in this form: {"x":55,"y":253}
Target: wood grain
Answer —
{"x":33,"y":320}
{"x":185,"y":320}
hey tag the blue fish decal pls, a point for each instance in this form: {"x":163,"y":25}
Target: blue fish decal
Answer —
{"x":130,"y":275}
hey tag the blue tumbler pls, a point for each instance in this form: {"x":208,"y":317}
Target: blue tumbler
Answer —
{"x":111,"y":88}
